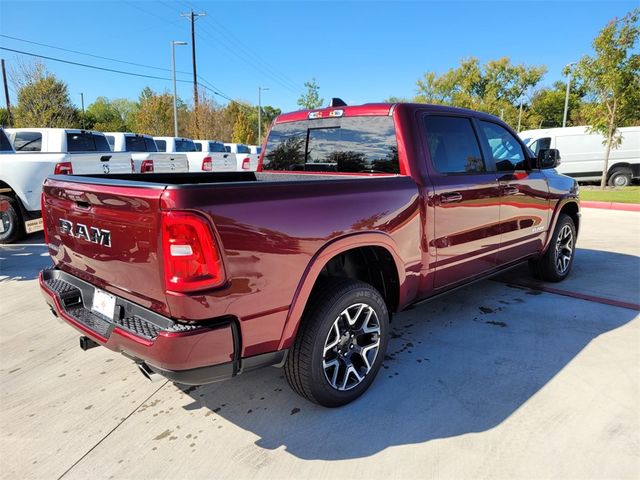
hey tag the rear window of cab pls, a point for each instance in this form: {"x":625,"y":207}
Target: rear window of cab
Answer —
{"x":365,"y":144}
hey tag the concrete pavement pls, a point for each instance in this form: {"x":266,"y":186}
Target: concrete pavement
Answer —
{"x":493,"y":381}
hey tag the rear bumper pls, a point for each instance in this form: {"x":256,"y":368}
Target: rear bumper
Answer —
{"x":189,"y":354}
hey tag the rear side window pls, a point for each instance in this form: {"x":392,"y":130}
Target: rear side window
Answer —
{"x":111,"y":140}
{"x":185,"y":146}
{"x":453,"y":145}
{"x":216,"y":147}
{"x":540,"y":144}
{"x":87,"y":142}
{"x":27,"y":142}
{"x":227,"y":149}
{"x":139,"y":144}
{"x":351,"y":144}
{"x":243,"y":149}
{"x":505,"y":149}
{"x":198,"y":146}
{"x":162,"y":145}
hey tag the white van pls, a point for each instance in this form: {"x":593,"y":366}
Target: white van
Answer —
{"x":582,"y":153}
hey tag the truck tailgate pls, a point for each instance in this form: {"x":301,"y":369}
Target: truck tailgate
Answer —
{"x":109,"y":236}
{"x":100,"y":162}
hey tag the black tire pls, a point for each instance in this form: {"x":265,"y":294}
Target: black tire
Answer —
{"x":11,"y":220}
{"x":304,"y":367}
{"x":620,"y":177}
{"x":550,"y":267}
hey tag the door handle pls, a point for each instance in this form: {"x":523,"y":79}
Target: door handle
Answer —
{"x":450,"y":197}
{"x":510,"y":190}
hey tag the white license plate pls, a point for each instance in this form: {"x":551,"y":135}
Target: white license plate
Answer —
{"x":103,"y":303}
{"x":32,"y":226}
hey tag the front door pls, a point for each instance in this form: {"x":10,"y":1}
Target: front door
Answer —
{"x":465,"y":201}
{"x":524,"y":194}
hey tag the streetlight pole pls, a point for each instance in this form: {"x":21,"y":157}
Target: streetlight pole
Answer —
{"x":260,"y":89}
{"x":566,"y":97}
{"x":175,"y":94}
{"x":82,"y":103}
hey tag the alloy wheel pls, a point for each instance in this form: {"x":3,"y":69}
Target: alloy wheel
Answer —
{"x":564,"y":249}
{"x":351,"y":346}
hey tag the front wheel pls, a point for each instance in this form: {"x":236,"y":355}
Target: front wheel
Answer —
{"x":341,"y":343}
{"x":556,"y":263}
{"x":620,"y":177}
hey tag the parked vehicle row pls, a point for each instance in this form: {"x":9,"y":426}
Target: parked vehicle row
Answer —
{"x":29,"y":155}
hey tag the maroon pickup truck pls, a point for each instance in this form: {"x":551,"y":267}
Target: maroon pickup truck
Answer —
{"x":356,"y":212}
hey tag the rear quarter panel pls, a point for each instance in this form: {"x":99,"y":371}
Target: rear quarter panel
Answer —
{"x":271,"y":233}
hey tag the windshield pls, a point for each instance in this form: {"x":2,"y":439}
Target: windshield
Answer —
{"x":351,"y":144}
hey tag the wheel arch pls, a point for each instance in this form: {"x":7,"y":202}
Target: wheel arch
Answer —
{"x":568,"y":206}
{"x":374,"y":242}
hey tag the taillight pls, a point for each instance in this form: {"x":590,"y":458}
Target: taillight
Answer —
{"x":246,"y":164}
{"x":147,"y":166}
{"x":63,"y":168}
{"x":191,"y":257}
{"x":44,"y":223}
{"x":207,"y":164}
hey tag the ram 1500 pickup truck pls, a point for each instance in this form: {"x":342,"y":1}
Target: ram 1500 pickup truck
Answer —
{"x":356,"y":213}
{"x":219,"y":160}
{"x":144,"y":153}
{"x":40,"y":152}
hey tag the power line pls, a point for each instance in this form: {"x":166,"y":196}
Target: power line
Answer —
{"x":90,"y":54}
{"x":121,"y":72}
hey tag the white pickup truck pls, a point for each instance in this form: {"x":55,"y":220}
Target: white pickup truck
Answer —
{"x":221,"y":160}
{"x":245,"y":160}
{"x":198,"y":161}
{"x":145,"y":155}
{"x":40,"y":152}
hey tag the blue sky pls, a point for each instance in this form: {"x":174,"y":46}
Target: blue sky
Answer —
{"x":360,"y":51}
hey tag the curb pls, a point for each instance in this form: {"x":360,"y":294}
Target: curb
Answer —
{"x":627,"y":207}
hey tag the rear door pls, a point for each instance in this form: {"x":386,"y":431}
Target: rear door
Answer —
{"x":524,"y":193}
{"x":466,"y":201}
{"x":108,"y":235}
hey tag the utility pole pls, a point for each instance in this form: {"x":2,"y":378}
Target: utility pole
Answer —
{"x":175,"y":93}
{"x":193,"y":17}
{"x":566,"y":97}
{"x":260,"y":89}
{"x":6,"y":92}
{"x":82,"y":103}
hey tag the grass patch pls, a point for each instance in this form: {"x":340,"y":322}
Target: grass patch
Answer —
{"x":610,"y":194}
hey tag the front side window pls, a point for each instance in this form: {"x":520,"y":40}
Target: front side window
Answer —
{"x":453,"y":145}
{"x":162,"y":145}
{"x":540,"y":144}
{"x":28,"y":142}
{"x":185,"y":146}
{"x":505,"y":149}
{"x":364,"y":144}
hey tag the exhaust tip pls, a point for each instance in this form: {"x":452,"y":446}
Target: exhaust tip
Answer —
{"x":148,"y":373}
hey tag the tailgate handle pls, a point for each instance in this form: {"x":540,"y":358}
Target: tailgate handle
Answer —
{"x":105,"y":158}
{"x":225,"y":155}
{"x":81,"y":204}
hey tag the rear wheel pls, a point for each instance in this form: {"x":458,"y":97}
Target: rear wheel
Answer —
{"x":11,"y":227}
{"x":341,"y":343}
{"x":555,"y":264}
{"x":620,"y":177}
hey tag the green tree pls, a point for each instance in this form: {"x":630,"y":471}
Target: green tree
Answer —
{"x":497,"y":87}
{"x":546,"y":107}
{"x":154,"y":115}
{"x":311,"y":99}
{"x":612,"y":79}
{"x":243,"y":130}
{"x":105,"y":117}
{"x":43,"y":100}
{"x":4,"y":117}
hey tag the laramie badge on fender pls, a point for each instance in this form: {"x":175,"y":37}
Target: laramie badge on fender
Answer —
{"x":90,"y":234}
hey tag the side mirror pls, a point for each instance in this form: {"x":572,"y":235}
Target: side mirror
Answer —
{"x":548,"y":158}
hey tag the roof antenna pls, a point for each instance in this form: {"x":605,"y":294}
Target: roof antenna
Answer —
{"x":337,"y":102}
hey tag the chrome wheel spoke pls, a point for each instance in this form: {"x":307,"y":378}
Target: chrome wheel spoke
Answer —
{"x":564,"y":249}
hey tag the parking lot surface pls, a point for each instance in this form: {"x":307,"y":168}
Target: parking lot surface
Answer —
{"x":501,"y":379}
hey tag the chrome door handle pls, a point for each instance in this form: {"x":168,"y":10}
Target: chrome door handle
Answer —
{"x":450,"y":197}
